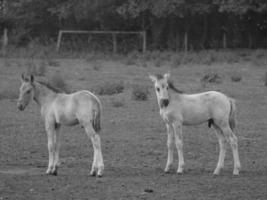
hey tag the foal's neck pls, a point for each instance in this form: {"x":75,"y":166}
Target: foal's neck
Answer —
{"x":43,"y":95}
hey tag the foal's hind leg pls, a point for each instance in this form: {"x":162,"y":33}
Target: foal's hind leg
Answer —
{"x":227,"y":131}
{"x":222,"y":144}
{"x":170,"y":146}
{"x":51,"y":147}
{"x":56,"y":152}
{"x":98,"y":165}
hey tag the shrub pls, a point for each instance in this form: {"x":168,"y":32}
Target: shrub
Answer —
{"x":265,"y":79}
{"x":236,"y":77}
{"x":117,"y":103}
{"x":129,"y":60}
{"x":158,"y":62}
{"x":140,"y":93}
{"x":176,"y":61}
{"x":96,"y":65}
{"x":57,"y":81}
{"x":109,"y":88}
{"x":211,"y":77}
{"x":53,"y":63}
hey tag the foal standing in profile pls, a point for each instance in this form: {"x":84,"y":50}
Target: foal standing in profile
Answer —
{"x":177,"y":109}
{"x":58,"y":109}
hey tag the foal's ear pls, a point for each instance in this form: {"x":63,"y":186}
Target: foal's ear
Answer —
{"x":22,"y":78}
{"x":167,"y":75}
{"x":153,"y":78}
{"x":31,"y":78}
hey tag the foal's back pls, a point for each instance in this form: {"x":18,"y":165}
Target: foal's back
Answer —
{"x":70,"y":108}
{"x":200,"y":107}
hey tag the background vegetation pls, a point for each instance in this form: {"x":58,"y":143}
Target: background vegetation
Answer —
{"x":170,"y":24}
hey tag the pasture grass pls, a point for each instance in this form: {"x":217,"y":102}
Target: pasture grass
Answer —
{"x":8,"y":94}
{"x":133,"y":137}
{"x":36,"y":68}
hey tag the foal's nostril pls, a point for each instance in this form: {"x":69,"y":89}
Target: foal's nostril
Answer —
{"x":164,"y":102}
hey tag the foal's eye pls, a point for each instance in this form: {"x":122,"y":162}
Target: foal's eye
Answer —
{"x":157,"y":89}
{"x":28,"y":92}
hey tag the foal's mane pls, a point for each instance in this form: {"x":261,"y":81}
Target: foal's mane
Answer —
{"x":49,"y":86}
{"x":171,"y":86}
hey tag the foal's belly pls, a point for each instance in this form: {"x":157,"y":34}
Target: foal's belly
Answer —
{"x":69,"y":120}
{"x":195,"y":117}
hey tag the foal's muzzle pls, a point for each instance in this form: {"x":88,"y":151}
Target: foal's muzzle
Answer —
{"x":21,"y":106}
{"x":164,"y":103}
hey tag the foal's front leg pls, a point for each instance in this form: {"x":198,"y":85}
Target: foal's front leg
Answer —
{"x":177,"y":129}
{"x":170,"y":146}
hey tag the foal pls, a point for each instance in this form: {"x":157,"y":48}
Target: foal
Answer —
{"x":58,"y":109}
{"x":177,"y":109}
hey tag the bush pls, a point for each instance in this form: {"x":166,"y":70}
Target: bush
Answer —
{"x":117,"y":103}
{"x":236,"y":78}
{"x":109,"y":88}
{"x":265,"y":79}
{"x":57,"y":81}
{"x":211,"y":77}
{"x":129,"y":60}
{"x":176,"y":61}
{"x":140,"y":93}
{"x":53,"y":63}
{"x":96,"y":65}
{"x":158,"y":62}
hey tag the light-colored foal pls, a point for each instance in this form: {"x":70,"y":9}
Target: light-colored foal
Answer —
{"x":58,"y":109}
{"x":178,"y":109}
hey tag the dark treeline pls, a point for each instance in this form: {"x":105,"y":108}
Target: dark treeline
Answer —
{"x":170,"y":24}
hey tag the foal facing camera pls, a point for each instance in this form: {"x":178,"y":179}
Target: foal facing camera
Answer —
{"x":178,"y":109}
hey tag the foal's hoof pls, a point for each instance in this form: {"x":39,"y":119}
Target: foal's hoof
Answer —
{"x":215,"y":175}
{"x":180,"y":173}
{"x":54,"y":173}
{"x":93,"y":173}
{"x":167,"y":169}
{"x":236,"y":174}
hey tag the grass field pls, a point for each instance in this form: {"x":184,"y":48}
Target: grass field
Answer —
{"x":133,"y":134}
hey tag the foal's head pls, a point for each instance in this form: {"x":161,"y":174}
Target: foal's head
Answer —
{"x":25,"y":91}
{"x":161,"y":87}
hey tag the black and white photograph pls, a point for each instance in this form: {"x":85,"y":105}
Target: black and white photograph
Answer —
{"x":133,"y":99}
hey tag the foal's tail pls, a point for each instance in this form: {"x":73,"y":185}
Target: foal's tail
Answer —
{"x":96,"y":120}
{"x":232,"y":120}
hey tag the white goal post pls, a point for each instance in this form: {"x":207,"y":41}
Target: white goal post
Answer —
{"x":113,"y":33}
